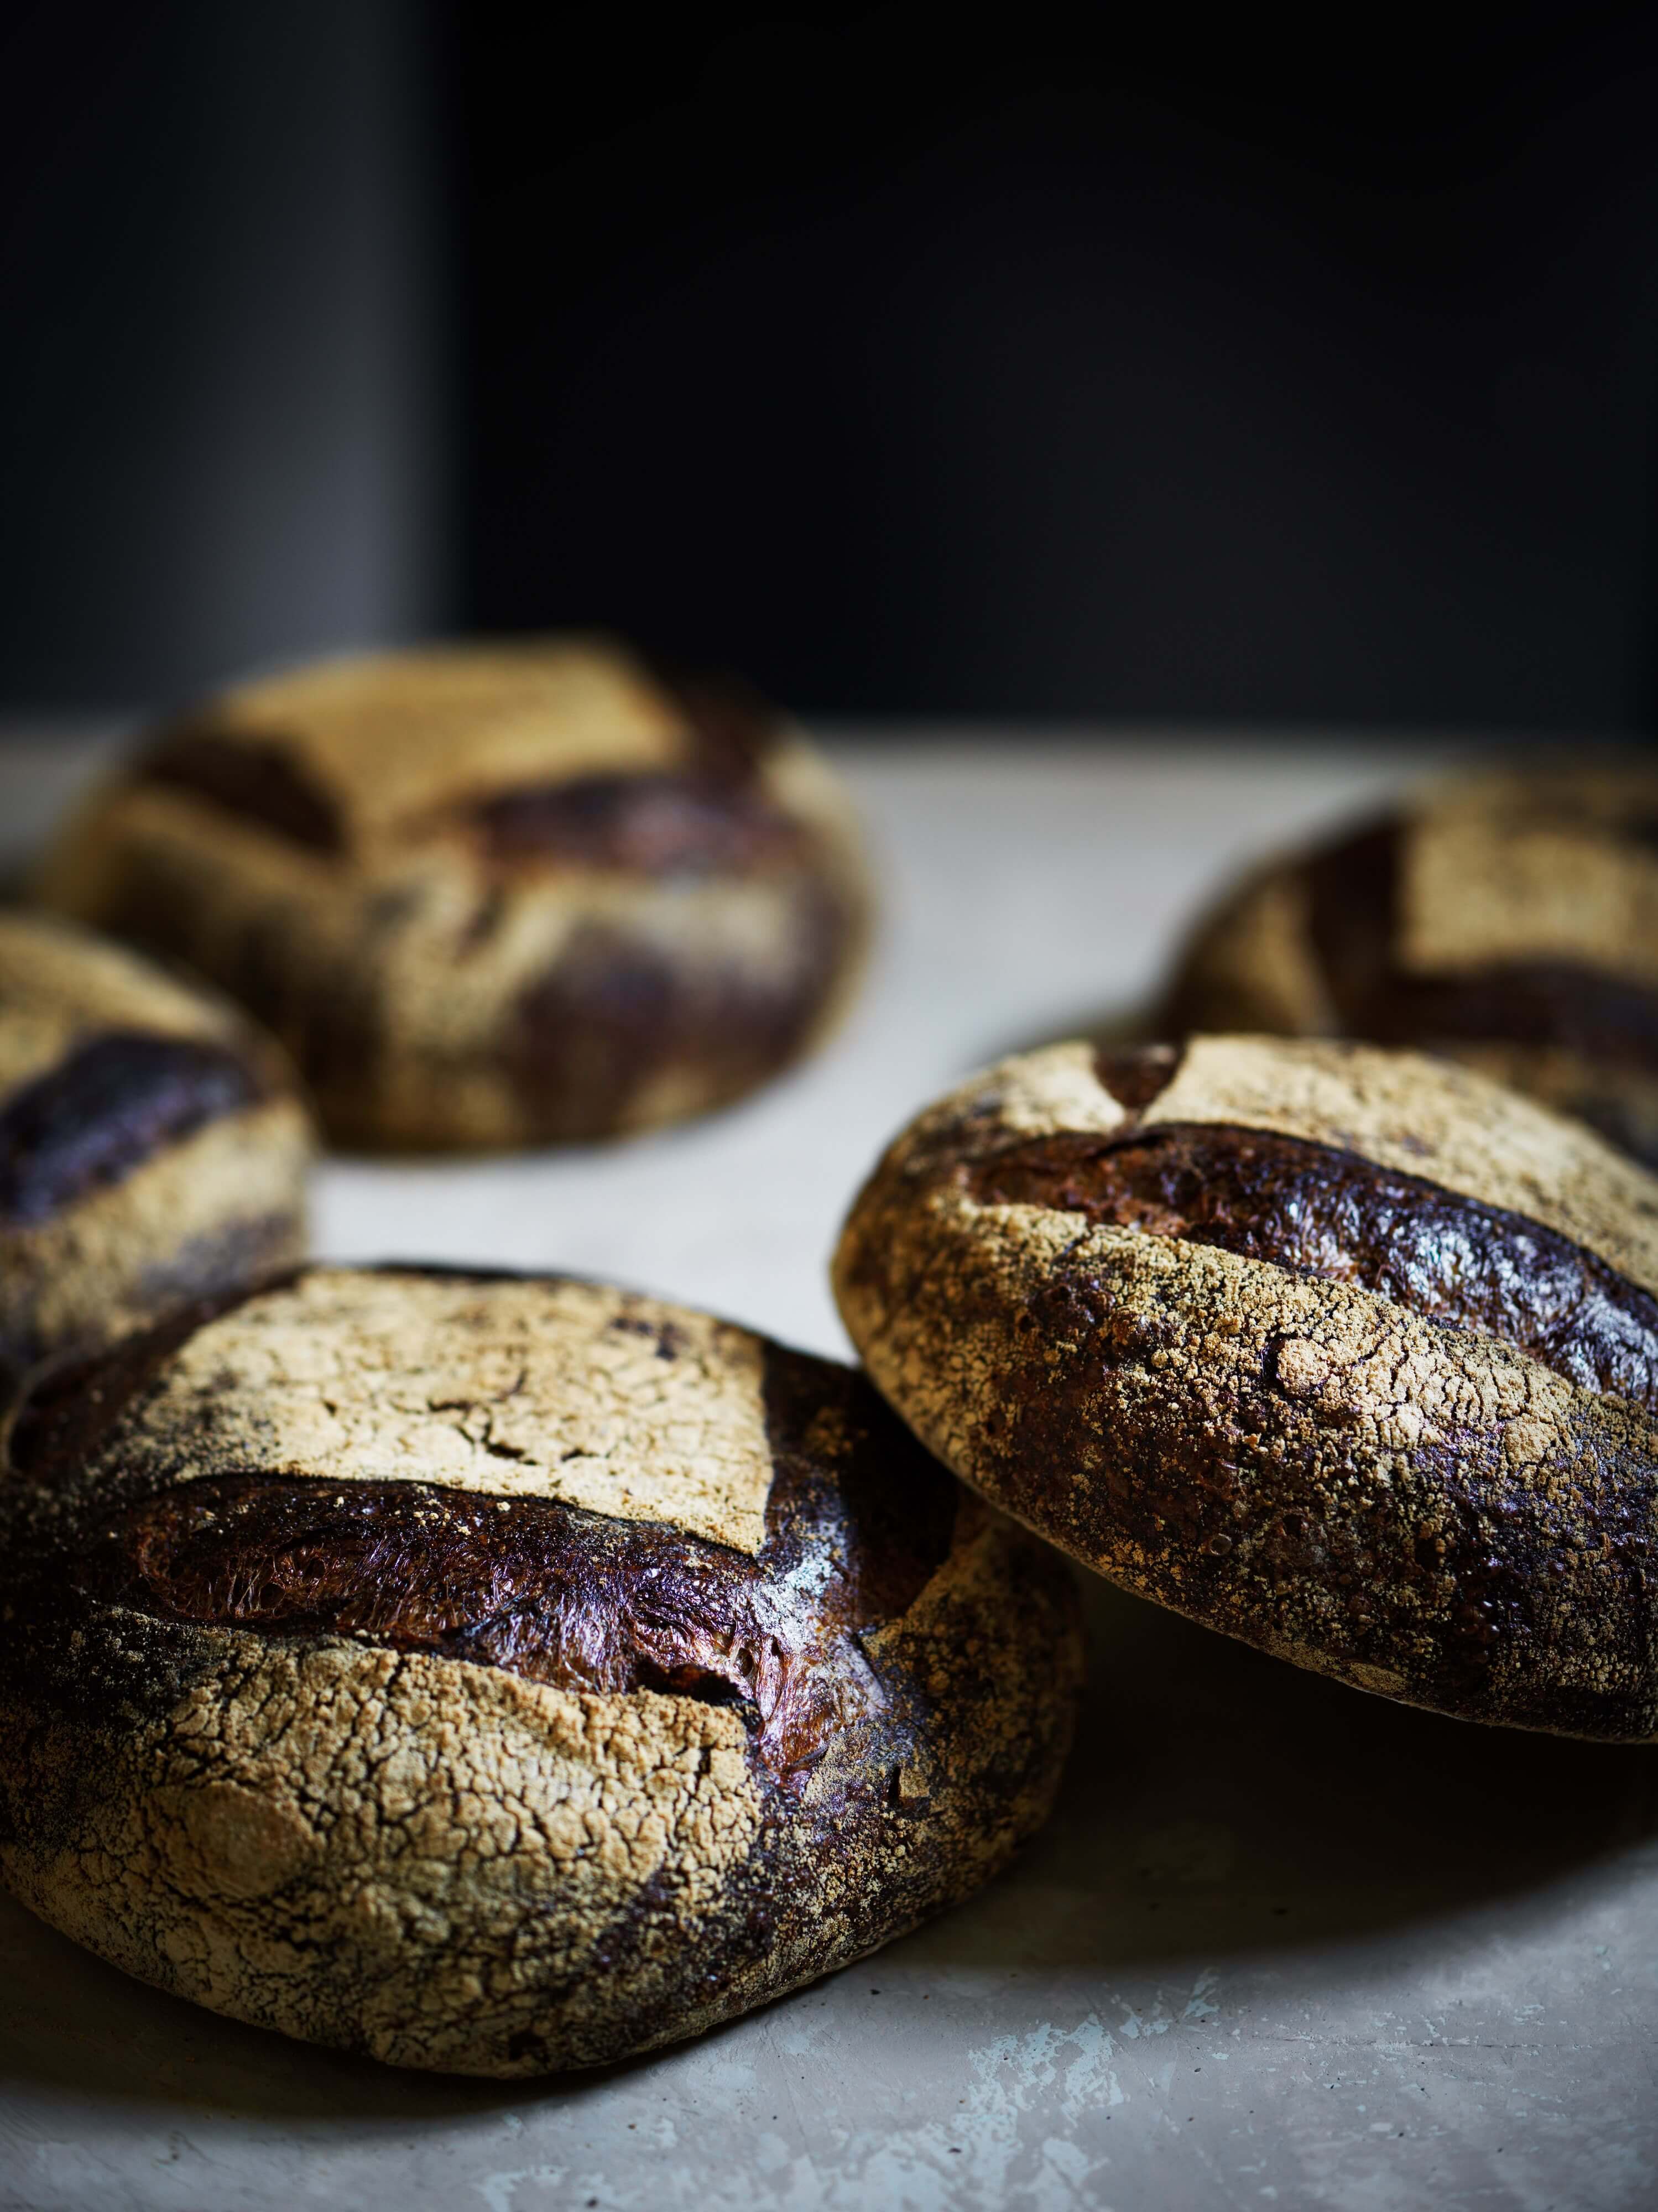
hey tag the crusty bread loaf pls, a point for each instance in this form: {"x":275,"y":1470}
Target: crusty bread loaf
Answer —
{"x":498,"y":1673}
{"x":1348,"y":1352}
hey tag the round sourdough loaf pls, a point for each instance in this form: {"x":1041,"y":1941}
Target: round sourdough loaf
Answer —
{"x":490,"y":896}
{"x":152,"y":1145}
{"x":499,"y":1674}
{"x":1348,"y":1352}
{"x":1510,"y":920}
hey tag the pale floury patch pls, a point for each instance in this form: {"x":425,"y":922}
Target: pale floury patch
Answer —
{"x":1490,"y":872}
{"x":597,"y":1397}
{"x":382,"y":732}
{"x":60,"y":986}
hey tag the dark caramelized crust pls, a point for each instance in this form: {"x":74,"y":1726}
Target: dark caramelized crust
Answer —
{"x":1237,"y":1494}
{"x":540,"y":1587}
{"x":561,"y":1595}
{"x":616,"y":1014}
{"x":652,"y":824}
{"x":543,"y":1590}
{"x":1316,"y":1210}
{"x":1353,"y":894}
{"x":1539,"y":1003}
{"x":98,"y":1115}
{"x":1353,"y":921}
{"x":260,"y":780}
{"x":733,"y":727}
{"x":1137,"y":1076}
{"x":711,"y":818}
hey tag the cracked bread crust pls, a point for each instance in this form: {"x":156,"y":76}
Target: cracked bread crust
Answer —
{"x":501,"y":1782}
{"x":490,"y":896}
{"x":1506,"y":920}
{"x":511,"y":1387}
{"x":152,"y":1146}
{"x":1346,"y":1352}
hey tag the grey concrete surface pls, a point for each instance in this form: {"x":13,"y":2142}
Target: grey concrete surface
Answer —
{"x":1282,"y":1947}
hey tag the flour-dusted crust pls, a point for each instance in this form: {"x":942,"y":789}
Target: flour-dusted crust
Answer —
{"x":152,"y":1146}
{"x":1347,"y":1352}
{"x":490,"y":896}
{"x":1507,"y":919}
{"x":348,"y":1746}
{"x":1501,"y":868}
{"x":571,"y":1390}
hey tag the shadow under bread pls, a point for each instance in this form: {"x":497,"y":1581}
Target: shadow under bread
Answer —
{"x":1221,"y":1802}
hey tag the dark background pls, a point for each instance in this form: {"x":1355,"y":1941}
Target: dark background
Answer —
{"x":1069,"y":367}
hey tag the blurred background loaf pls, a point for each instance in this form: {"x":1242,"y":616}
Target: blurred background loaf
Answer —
{"x":1509,"y":920}
{"x":489,"y":895}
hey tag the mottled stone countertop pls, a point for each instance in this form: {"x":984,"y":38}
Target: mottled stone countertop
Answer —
{"x":1282,"y":1946}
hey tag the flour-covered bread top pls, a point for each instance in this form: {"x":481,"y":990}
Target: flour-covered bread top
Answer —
{"x":1349,"y":1352}
{"x":498,"y":1672}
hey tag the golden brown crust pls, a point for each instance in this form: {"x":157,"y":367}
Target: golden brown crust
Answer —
{"x":1278,"y":1447}
{"x":490,"y":896}
{"x":154,"y":1146}
{"x":451,"y":1861}
{"x":1508,"y":920}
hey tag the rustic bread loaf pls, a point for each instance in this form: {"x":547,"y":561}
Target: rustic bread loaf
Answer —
{"x":1348,"y":1352}
{"x":1508,"y":920}
{"x":151,"y":1147}
{"x":490,"y":896}
{"x":501,"y":1673}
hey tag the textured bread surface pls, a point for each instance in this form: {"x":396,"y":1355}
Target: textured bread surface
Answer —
{"x":1509,"y":920}
{"x":322,"y":1730}
{"x":1346,"y":1352}
{"x":152,"y":1145}
{"x":490,"y":896}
